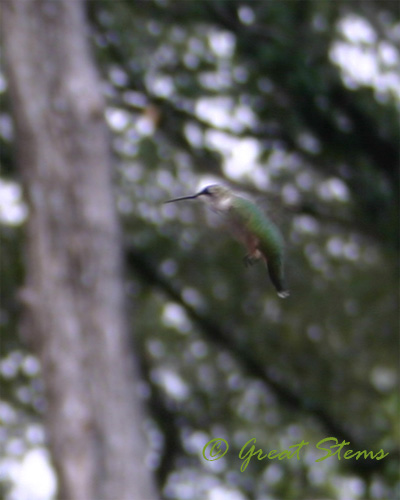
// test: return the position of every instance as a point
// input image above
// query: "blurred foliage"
(252, 93)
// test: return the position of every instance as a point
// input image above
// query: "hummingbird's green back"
(253, 221)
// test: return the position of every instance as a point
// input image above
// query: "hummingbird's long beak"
(183, 198)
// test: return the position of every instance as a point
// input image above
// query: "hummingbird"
(251, 227)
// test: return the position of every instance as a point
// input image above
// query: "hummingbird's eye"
(206, 191)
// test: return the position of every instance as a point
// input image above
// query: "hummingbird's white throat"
(221, 203)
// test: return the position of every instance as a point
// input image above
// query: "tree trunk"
(74, 291)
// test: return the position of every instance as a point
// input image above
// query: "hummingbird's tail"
(275, 270)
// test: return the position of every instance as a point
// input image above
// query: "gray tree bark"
(74, 293)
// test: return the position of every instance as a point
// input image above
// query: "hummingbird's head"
(214, 191)
(215, 194)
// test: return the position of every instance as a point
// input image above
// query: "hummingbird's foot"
(249, 260)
